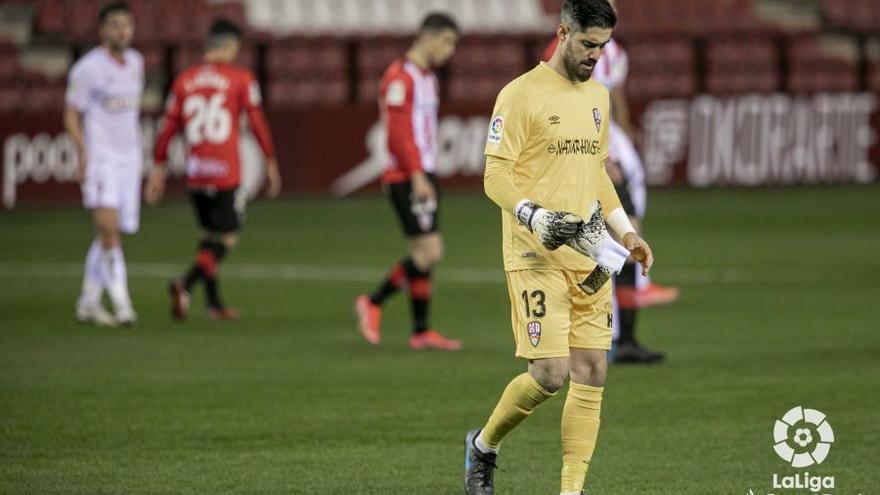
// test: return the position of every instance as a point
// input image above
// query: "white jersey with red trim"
(613, 66)
(107, 91)
(408, 100)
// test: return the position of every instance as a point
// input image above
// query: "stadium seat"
(482, 65)
(370, 17)
(738, 65)
(154, 57)
(186, 55)
(689, 17)
(81, 19)
(10, 98)
(145, 20)
(812, 69)
(42, 93)
(661, 68)
(50, 16)
(374, 56)
(304, 93)
(874, 77)
(232, 11)
(859, 15)
(9, 65)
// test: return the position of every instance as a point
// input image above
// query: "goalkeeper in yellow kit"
(545, 168)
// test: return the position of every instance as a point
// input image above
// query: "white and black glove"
(552, 228)
(593, 240)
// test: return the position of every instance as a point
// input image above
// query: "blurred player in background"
(205, 103)
(545, 168)
(632, 289)
(408, 102)
(102, 116)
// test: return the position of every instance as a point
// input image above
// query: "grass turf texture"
(779, 309)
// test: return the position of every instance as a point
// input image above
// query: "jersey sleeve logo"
(597, 118)
(395, 96)
(254, 93)
(496, 130)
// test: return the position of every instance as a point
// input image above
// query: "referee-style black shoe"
(631, 352)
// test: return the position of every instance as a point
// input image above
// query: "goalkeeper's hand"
(552, 228)
(593, 240)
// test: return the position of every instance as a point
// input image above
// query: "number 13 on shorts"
(550, 314)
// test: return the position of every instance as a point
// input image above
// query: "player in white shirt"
(102, 116)
(633, 290)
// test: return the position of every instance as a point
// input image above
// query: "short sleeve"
(509, 125)
(78, 87)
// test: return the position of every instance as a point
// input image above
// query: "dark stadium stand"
(737, 65)
(677, 48)
(855, 15)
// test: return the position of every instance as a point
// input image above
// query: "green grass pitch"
(780, 292)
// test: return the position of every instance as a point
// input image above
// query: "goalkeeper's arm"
(553, 228)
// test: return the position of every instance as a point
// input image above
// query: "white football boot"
(95, 315)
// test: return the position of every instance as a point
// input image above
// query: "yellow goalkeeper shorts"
(551, 314)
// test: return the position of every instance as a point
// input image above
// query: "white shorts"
(623, 152)
(114, 182)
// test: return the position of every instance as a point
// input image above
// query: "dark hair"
(589, 13)
(224, 27)
(438, 21)
(112, 8)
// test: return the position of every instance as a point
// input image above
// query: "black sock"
(395, 280)
(196, 272)
(627, 317)
(218, 250)
(419, 294)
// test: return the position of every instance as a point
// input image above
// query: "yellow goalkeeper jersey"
(552, 135)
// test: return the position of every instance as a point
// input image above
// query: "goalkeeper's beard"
(575, 70)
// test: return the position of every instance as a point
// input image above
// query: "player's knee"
(549, 373)
(550, 381)
(230, 241)
(434, 253)
(109, 237)
(427, 254)
(591, 372)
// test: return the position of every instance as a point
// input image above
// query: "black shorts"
(218, 211)
(415, 218)
(625, 199)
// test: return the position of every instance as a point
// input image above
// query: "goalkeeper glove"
(553, 228)
(592, 240)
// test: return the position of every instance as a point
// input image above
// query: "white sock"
(642, 281)
(482, 447)
(116, 278)
(93, 282)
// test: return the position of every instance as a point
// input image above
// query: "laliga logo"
(802, 437)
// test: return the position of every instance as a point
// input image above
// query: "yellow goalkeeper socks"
(522, 395)
(580, 428)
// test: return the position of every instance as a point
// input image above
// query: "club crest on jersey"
(597, 118)
(534, 329)
(395, 95)
(496, 128)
